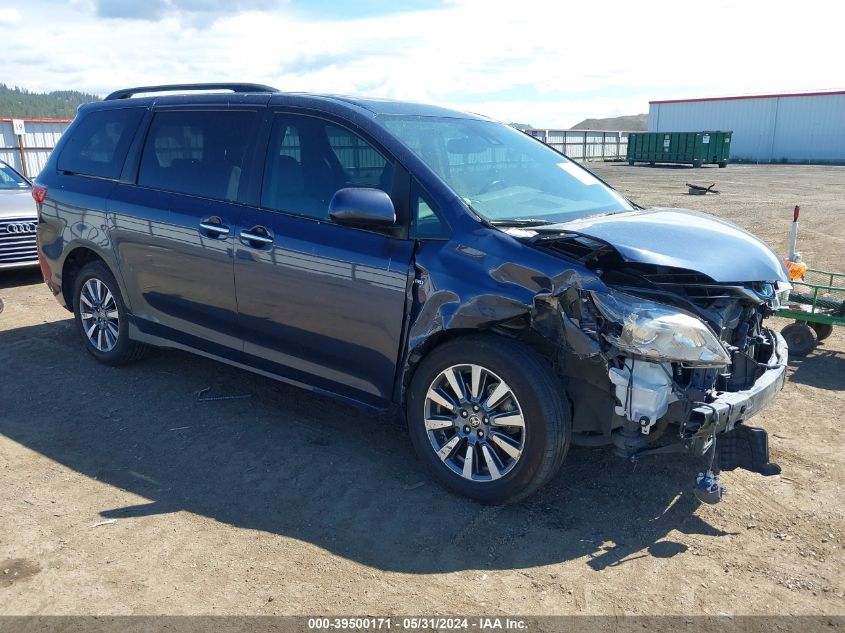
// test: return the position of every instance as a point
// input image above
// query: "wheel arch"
(74, 261)
(423, 349)
(416, 355)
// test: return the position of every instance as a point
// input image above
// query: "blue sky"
(546, 63)
(333, 9)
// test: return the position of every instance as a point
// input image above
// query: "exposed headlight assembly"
(659, 332)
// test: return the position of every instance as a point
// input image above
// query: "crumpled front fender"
(493, 281)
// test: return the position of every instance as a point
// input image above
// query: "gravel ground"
(120, 493)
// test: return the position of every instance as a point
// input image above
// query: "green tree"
(59, 104)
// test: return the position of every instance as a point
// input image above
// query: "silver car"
(18, 220)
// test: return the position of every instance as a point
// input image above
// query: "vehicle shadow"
(291, 463)
(822, 368)
(19, 277)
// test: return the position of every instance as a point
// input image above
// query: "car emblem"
(21, 227)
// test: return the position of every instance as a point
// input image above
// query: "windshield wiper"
(520, 222)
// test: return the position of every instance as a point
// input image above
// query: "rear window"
(199, 152)
(97, 146)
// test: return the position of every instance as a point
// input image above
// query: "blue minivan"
(498, 298)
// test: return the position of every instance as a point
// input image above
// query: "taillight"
(39, 192)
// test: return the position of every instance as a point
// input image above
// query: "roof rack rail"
(126, 93)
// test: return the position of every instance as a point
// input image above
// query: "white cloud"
(10, 16)
(545, 63)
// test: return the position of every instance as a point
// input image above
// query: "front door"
(320, 303)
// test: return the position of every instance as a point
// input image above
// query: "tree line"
(59, 104)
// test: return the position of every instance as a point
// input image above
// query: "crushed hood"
(682, 239)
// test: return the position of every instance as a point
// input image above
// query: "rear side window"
(202, 153)
(97, 146)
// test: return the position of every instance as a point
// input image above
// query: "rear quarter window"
(97, 146)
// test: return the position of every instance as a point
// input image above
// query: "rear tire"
(823, 330)
(513, 443)
(800, 338)
(101, 316)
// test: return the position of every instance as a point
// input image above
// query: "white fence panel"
(585, 145)
(29, 153)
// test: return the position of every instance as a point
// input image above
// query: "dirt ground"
(120, 493)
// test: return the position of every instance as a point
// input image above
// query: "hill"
(60, 104)
(632, 122)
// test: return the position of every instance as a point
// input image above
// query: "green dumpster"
(693, 148)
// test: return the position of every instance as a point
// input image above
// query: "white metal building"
(794, 127)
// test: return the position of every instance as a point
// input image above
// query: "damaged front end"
(656, 346)
(666, 359)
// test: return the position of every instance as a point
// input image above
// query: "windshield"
(503, 174)
(10, 179)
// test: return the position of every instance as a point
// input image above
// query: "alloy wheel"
(474, 422)
(99, 315)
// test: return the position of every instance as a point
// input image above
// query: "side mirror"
(364, 207)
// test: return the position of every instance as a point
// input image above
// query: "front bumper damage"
(637, 405)
(739, 445)
(719, 423)
(713, 429)
(644, 407)
(731, 408)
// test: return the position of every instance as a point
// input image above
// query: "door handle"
(257, 234)
(214, 227)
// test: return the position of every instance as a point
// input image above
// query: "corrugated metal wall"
(40, 137)
(767, 129)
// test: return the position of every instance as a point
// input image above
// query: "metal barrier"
(585, 145)
(26, 143)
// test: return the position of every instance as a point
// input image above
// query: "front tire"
(488, 418)
(101, 316)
